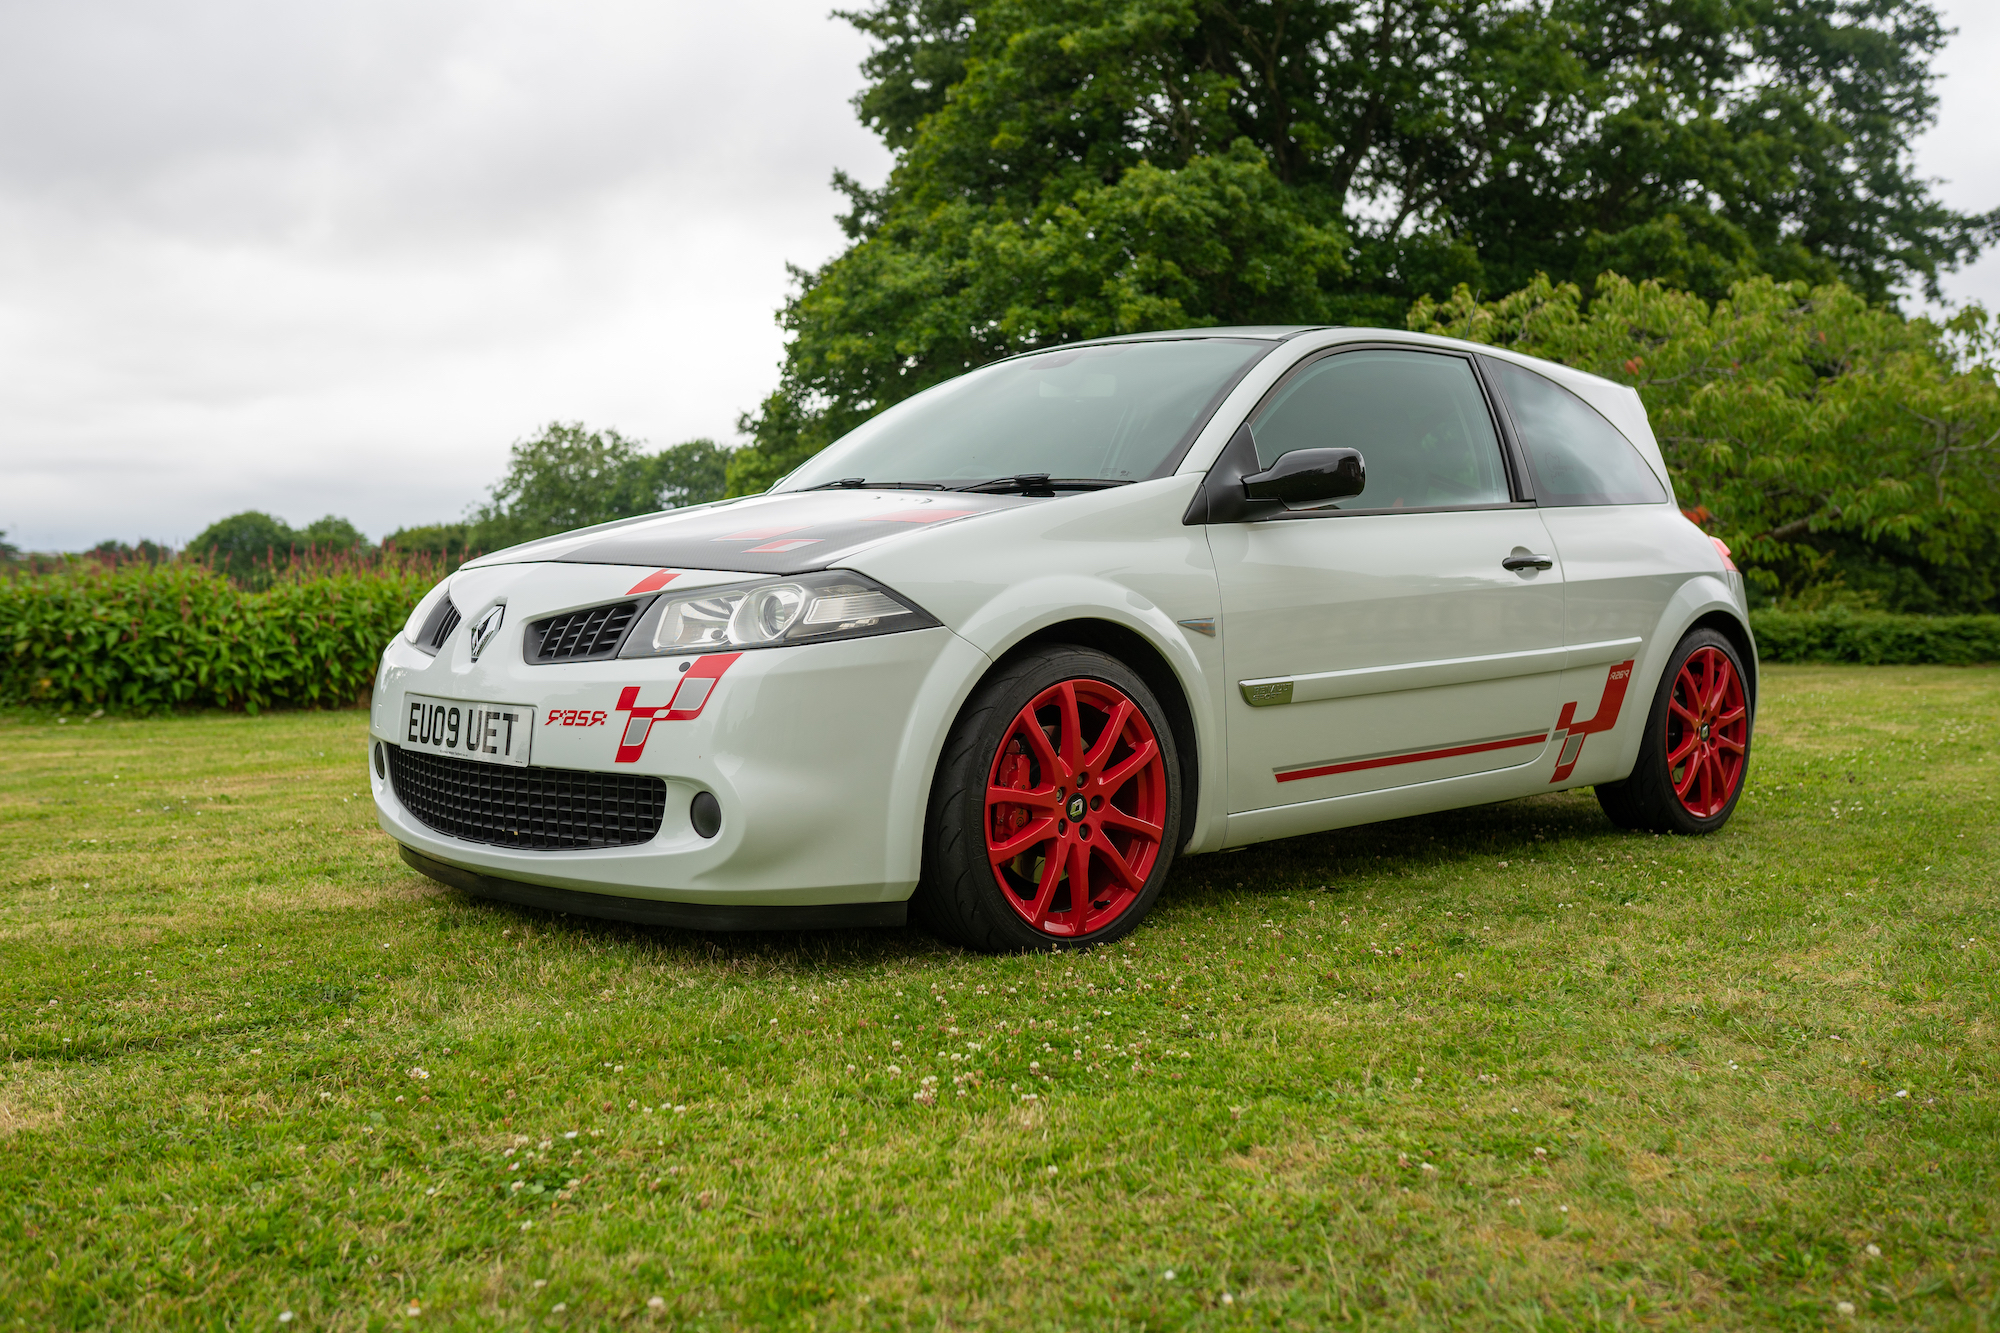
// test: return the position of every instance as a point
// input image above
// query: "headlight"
(814, 607)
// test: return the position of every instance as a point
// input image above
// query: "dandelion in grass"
(1874, 1251)
(284, 1316)
(1845, 1309)
(657, 1303)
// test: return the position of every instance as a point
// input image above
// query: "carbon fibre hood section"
(792, 533)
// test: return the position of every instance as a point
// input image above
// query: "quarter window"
(1578, 457)
(1418, 419)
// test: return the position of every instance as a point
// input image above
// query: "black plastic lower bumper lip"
(651, 912)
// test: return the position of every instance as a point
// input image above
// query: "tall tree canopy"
(571, 477)
(1074, 168)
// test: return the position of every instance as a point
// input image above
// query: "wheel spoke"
(1108, 740)
(1112, 816)
(1079, 883)
(1040, 831)
(1674, 705)
(1038, 798)
(1119, 864)
(1072, 731)
(1142, 755)
(1045, 892)
(1052, 765)
(1680, 753)
(1688, 779)
(1725, 742)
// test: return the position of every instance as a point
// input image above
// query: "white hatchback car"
(1007, 649)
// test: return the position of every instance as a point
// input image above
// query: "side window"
(1418, 419)
(1578, 457)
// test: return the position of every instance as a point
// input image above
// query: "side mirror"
(1309, 476)
(1237, 491)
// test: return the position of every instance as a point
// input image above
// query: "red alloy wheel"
(1075, 804)
(1708, 733)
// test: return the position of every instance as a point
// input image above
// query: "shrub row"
(1875, 638)
(147, 637)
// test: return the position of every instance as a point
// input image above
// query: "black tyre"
(1056, 808)
(1696, 752)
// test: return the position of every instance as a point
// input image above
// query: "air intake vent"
(539, 809)
(580, 636)
(437, 628)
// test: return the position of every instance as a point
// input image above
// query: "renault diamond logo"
(483, 632)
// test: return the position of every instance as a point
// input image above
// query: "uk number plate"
(493, 733)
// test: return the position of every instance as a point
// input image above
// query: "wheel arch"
(1150, 665)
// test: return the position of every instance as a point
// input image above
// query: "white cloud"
(336, 260)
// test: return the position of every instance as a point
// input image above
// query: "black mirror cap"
(1309, 476)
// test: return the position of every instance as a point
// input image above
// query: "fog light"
(705, 812)
(381, 762)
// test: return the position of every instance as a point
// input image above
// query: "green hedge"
(1875, 638)
(141, 637)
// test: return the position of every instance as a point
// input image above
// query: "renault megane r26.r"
(1002, 653)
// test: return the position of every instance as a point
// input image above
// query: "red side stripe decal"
(653, 582)
(1604, 719)
(1414, 757)
(1572, 732)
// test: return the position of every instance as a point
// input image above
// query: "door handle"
(1527, 562)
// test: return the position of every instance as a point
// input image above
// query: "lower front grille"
(536, 808)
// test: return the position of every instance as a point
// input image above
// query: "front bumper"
(820, 757)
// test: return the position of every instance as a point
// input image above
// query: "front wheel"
(1697, 745)
(1056, 807)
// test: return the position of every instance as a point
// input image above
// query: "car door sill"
(1273, 690)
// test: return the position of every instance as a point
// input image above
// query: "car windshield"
(1112, 413)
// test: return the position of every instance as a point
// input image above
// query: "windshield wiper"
(1041, 483)
(863, 484)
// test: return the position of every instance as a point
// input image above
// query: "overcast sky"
(331, 258)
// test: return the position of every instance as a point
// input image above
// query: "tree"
(572, 477)
(245, 546)
(1828, 441)
(112, 552)
(330, 535)
(1067, 168)
(451, 543)
(690, 474)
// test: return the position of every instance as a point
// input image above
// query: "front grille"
(581, 636)
(437, 628)
(536, 808)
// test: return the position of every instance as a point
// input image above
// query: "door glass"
(1578, 457)
(1418, 419)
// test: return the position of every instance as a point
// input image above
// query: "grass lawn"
(1503, 1067)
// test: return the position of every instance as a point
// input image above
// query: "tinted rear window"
(1577, 456)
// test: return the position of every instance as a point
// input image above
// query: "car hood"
(787, 533)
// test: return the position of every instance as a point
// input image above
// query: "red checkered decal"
(690, 696)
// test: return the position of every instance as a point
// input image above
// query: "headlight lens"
(815, 607)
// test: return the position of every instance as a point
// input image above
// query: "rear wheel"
(1697, 745)
(1056, 807)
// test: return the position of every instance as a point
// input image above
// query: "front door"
(1408, 634)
